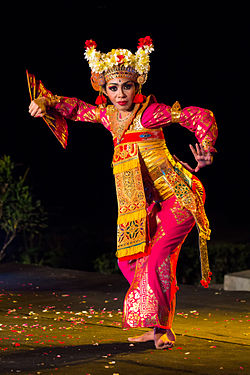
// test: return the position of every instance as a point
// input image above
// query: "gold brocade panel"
(130, 191)
(132, 214)
(140, 305)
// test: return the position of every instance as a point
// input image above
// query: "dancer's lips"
(122, 103)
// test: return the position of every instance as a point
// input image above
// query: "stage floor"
(56, 321)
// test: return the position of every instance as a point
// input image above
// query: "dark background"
(200, 58)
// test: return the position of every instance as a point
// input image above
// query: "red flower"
(147, 41)
(90, 43)
(120, 59)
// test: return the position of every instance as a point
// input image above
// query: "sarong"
(150, 300)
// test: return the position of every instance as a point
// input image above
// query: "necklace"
(120, 119)
(118, 125)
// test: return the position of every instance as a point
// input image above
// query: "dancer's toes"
(164, 340)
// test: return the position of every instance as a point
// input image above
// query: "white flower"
(101, 62)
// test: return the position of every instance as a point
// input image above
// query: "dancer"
(159, 198)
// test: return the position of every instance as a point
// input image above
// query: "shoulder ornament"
(175, 112)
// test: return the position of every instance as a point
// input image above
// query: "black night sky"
(201, 58)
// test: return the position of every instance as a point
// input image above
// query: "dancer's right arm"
(70, 108)
(38, 107)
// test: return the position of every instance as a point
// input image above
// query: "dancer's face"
(121, 92)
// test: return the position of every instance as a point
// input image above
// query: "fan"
(53, 119)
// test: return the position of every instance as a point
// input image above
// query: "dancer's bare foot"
(164, 340)
(147, 336)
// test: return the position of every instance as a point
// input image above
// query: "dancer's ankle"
(159, 330)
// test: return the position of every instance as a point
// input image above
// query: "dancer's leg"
(176, 223)
(128, 269)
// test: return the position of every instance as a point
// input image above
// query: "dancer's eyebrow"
(117, 84)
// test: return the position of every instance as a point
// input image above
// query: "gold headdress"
(118, 63)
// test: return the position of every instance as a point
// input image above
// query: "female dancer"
(159, 198)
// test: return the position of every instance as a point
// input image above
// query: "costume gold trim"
(120, 71)
(176, 112)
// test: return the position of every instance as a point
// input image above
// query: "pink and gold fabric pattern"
(142, 145)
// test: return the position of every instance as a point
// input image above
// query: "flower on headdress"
(120, 59)
(142, 61)
(102, 62)
(90, 43)
(146, 44)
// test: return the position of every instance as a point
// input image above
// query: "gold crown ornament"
(118, 63)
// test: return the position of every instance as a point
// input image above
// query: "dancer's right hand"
(38, 106)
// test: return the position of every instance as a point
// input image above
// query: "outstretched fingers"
(194, 152)
(199, 149)
(201, 156)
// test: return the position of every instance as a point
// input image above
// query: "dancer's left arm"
(198, 120)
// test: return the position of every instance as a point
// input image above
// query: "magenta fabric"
(150, 300)
(198, 120)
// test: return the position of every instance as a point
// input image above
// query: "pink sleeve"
(77, 110)
(202, 122)
(156, 115)
(198, 120)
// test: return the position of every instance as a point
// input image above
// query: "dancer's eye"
(127, 86)
(112, 88)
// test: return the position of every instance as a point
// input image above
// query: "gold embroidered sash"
(132, 214)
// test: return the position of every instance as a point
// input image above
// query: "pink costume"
(149, 244)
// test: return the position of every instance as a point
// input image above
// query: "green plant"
(106, 263)
(19, 213)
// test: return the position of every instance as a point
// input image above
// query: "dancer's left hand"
(202, 157)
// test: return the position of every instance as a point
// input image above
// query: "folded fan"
(53, 119)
